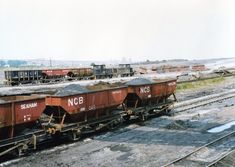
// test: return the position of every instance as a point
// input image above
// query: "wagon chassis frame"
(24, 142)
(30, 141)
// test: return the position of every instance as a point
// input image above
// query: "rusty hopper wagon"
(139, 98)
(147, 97)
(84, 106)
(19, 113)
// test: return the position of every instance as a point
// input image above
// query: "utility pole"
(50, 62)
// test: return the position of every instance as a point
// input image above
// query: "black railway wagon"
(14, 77)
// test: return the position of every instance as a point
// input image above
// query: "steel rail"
(220, 158)
(198, 102)
(198, 149)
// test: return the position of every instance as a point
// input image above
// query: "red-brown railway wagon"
(199, 67)
(142, 92)
(80, 72)
(85, 106)
(55, 72)
(73, 72)
(19, 113)
(163, 88)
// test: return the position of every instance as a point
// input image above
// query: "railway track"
(185, 159)
(201, 101)
(219, 161)
(198, 102)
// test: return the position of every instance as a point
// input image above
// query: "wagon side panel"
(171, 87)
(117, 96)
(6, 116)
(28, 111)
(97, 100)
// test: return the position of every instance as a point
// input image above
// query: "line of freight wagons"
(79, 110)
(16, 77)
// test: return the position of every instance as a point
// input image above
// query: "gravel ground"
(228, 161)
(154, 143)
(228, 83)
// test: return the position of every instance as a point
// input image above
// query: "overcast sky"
(112, 29)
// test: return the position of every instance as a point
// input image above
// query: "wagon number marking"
(27, 118)
(75, 101)
(92, 107)
(172, 84)
(145, 89)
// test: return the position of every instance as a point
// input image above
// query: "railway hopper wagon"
(86, 107)
(19, 113)
(146, 98)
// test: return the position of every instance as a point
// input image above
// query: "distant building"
(199, 67)
(170, 68)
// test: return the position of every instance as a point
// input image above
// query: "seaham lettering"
(30, 105)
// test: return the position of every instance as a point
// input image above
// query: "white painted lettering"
(29, 105)
(70, 102)
(80, 100)
(145, 89)
(92, 107)
(75, 101)
(116, 92)
(27, 118)
(172, 84)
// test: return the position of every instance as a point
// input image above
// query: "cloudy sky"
(113, 29)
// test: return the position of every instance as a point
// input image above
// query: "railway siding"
(192, 156)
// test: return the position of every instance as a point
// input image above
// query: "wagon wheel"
(167, 112)
(20, 151)
(127, 117)
(17, 152)
(74, 135)
(111, 126)
(143, 117)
